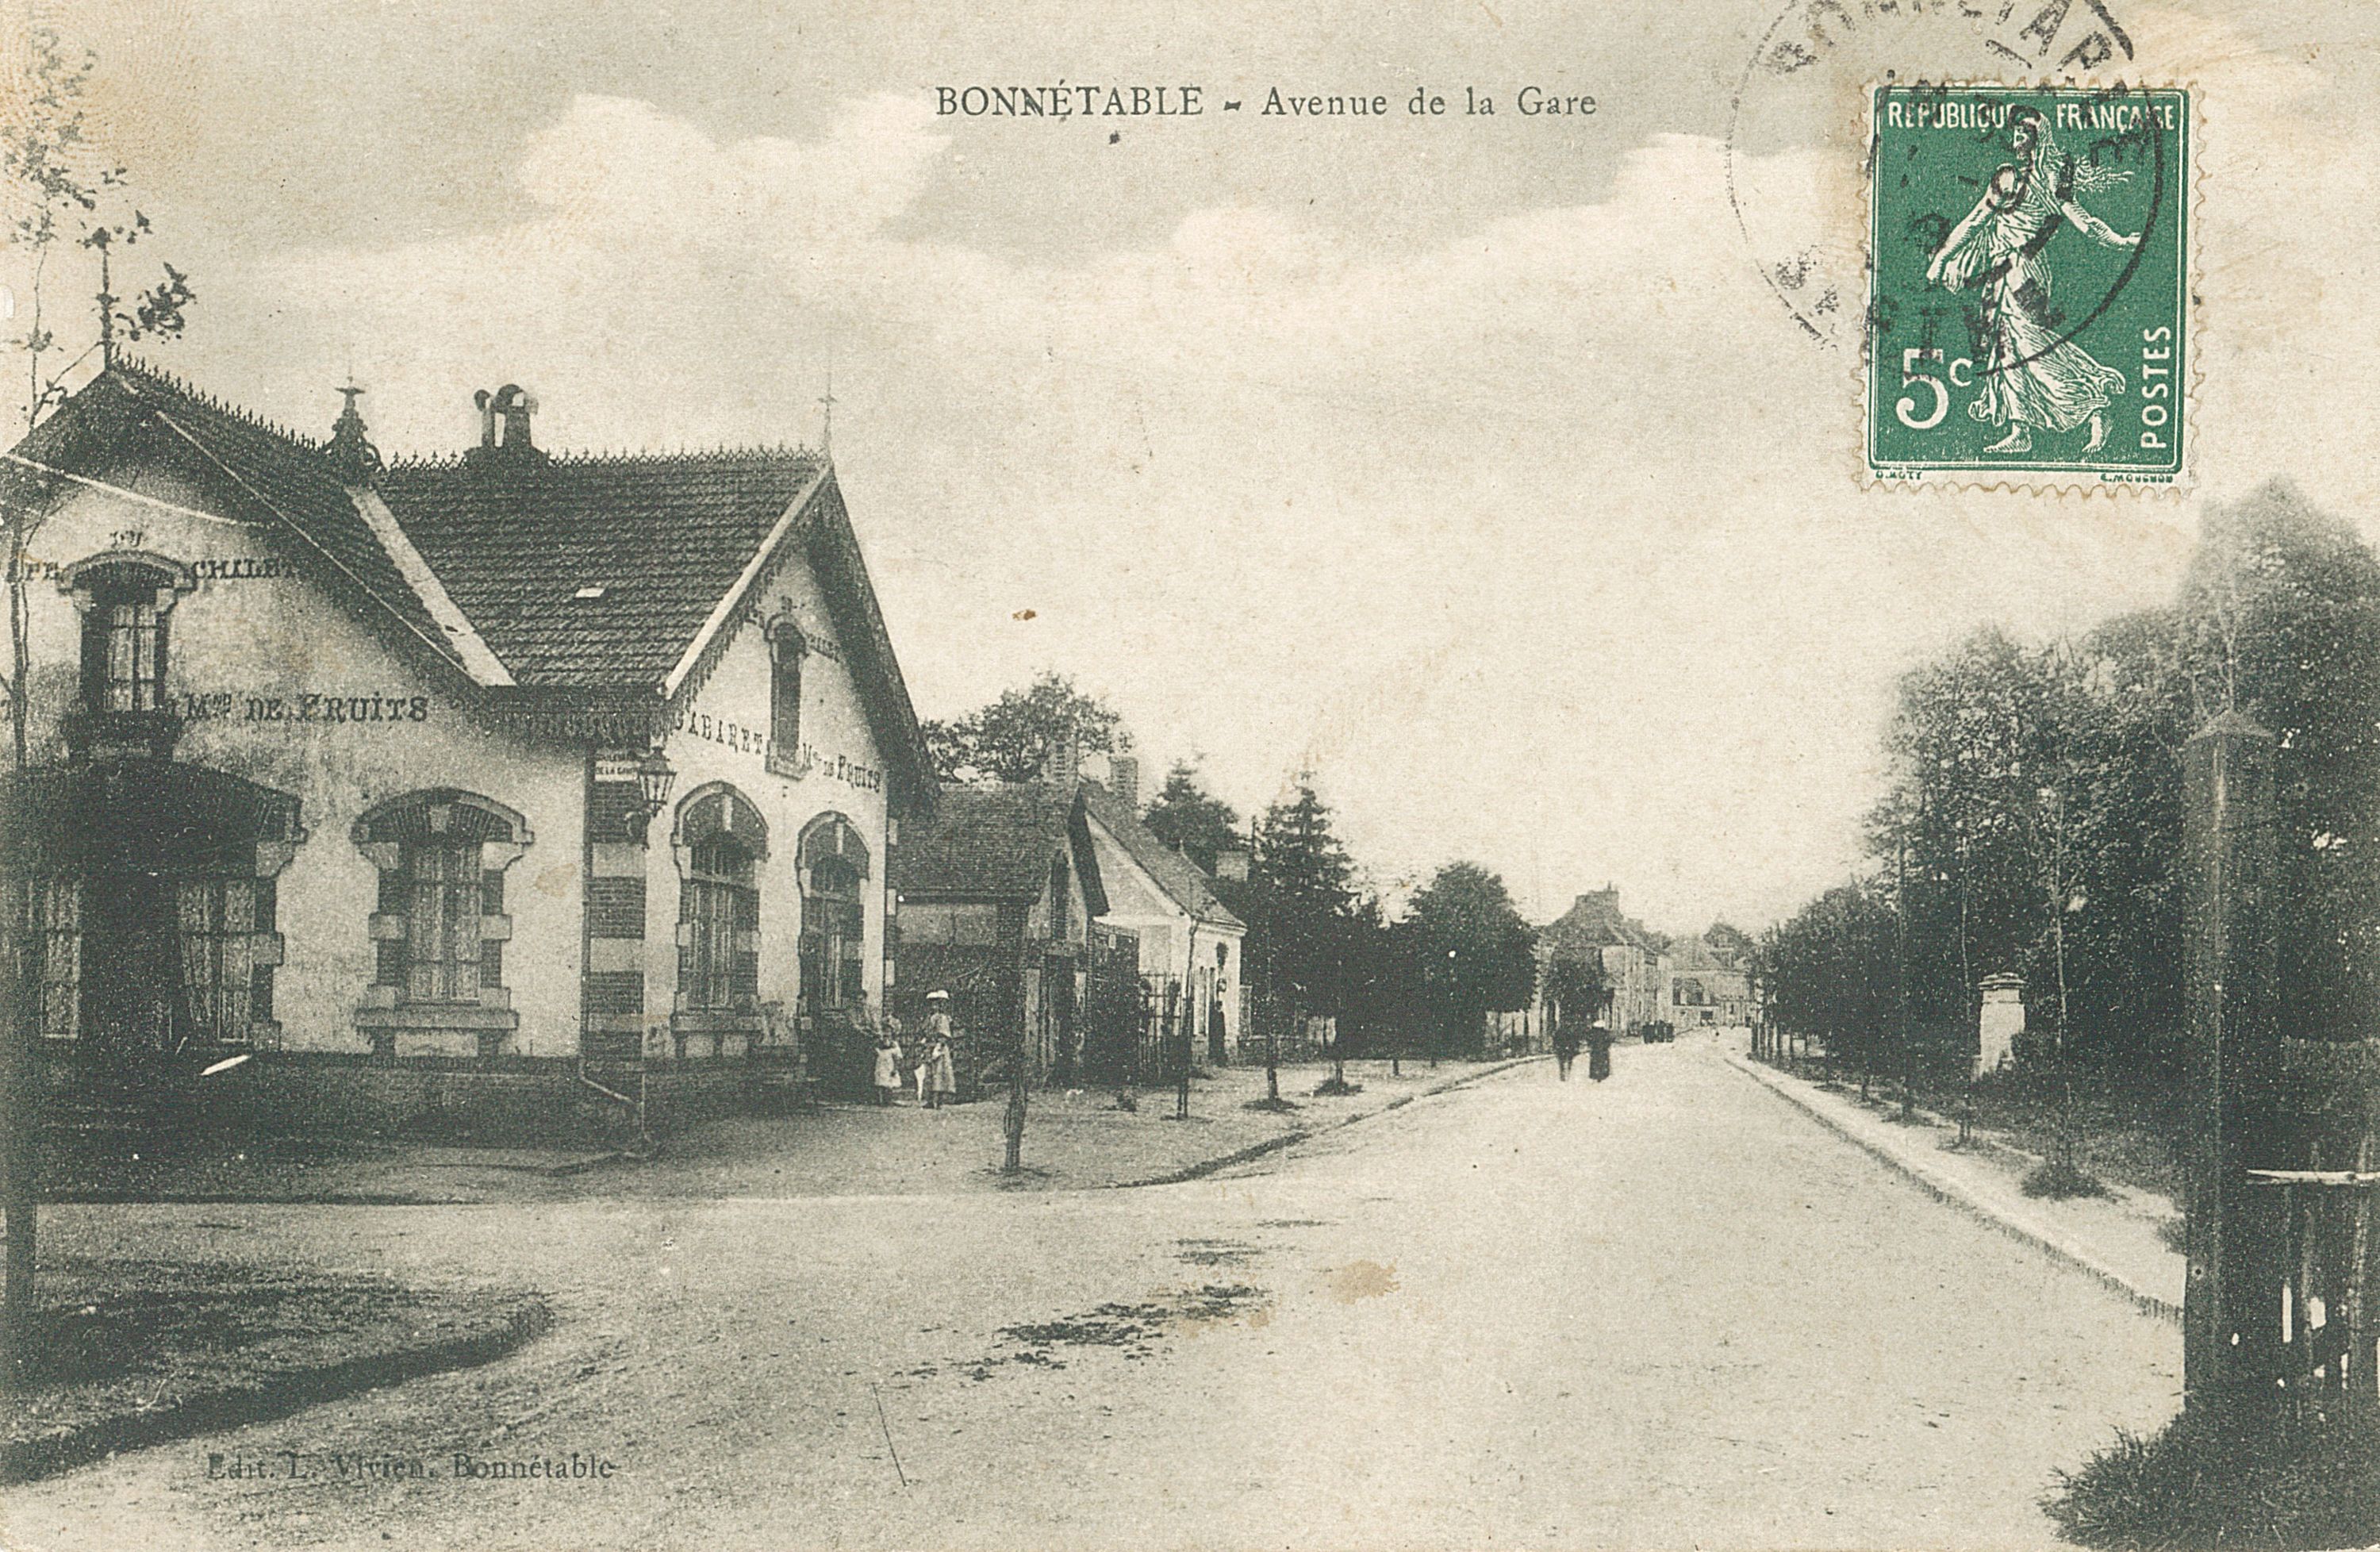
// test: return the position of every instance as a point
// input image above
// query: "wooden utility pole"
(1018, 1062)
(1182, 1052)
(2232, 1307)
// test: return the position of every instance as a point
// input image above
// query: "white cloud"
(1544, 544)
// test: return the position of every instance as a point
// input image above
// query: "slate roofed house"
(509, 766)
(999, 890)
(1186, 935)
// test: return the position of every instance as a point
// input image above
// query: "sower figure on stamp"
(2030, 375)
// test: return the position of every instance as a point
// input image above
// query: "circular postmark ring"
(2034, 245)
(1805, 86)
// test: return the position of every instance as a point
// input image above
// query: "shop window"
(441, 926)
(719, 958)
(720, 841)
(835, 863)
(48, 914)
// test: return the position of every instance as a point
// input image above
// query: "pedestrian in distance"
(1598, 1050)
(1565, 1046)
(888, 1066)
(936, 1075)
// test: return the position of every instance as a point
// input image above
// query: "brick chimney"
(1062, 766)
(513, 403)
(1124, 780)
(1232, 864)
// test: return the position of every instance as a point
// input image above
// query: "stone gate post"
(2232, 1302)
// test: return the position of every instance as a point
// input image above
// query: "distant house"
(1709, 983)
(999, 889)
(433, 786)
(1633, 957)
(1187, 936)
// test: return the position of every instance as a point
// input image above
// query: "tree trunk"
(1014, 1124)
(19, 1114)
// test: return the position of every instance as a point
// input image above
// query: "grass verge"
(133, 1353)
(2061, 1182)
(2291, 1488)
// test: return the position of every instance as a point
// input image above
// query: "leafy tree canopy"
(1184, 814)
(1011, 739)
(1476, 954)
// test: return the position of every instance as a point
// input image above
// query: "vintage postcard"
(1489, 775)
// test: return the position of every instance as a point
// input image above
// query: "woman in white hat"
(936, 1073)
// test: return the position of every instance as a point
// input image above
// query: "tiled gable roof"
(995, 842)
(573, 576)
(267, 473)
(1182, 880)
(517, 538)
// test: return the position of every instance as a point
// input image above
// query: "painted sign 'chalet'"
(370, 771)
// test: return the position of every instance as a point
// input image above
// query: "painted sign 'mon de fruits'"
(2028, 281)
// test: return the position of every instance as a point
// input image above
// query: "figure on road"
(937, 1077)
(888, 1066)
(1598, 1050)
(1565, 1046)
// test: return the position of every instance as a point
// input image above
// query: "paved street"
(1665, 1311)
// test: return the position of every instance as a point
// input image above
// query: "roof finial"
(350, 450)
(826, 403)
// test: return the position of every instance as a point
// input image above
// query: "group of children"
(937, 1077)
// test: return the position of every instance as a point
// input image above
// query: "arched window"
(720, 840)
(440, 927)
(787, 648)
(834, 863)
(124, 598)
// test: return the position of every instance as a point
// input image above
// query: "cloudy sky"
(1471, 464)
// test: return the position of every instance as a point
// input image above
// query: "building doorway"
(144, 894)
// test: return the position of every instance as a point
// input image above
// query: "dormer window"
(124, 644)
(125, 600)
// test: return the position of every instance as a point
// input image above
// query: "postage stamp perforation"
(2073, 476)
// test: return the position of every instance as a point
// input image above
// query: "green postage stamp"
(2028, 310)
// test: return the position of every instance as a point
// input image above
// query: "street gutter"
(1290, 1139)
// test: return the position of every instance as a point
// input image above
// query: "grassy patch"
(2061, 1182)
(2300, 1486)
(131, 1353)
(2129, 1130)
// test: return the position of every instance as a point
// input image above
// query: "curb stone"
(213, 1411)
(1948, 1188)
(1206, 1166)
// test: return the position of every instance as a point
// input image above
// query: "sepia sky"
(1472, 464)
